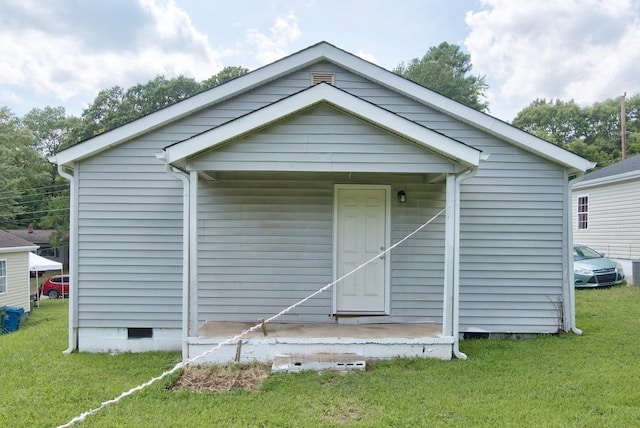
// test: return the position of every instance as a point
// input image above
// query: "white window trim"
(585, 213)
(5, 276)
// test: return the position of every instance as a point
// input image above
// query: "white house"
(215, 213)
(606, 204)
(14, 271)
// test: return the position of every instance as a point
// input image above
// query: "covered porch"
(261, 195)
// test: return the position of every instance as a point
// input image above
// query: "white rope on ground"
(181, 364)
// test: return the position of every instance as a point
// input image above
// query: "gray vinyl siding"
(322, 139)
(295, 82)
(512, 238)
(417, 275)
(614, 223)
(265, 242)
(129, 240)
(253, 230)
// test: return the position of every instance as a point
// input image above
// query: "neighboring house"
(41, 237)
(14, 271)
(230, 206)
(606, 204)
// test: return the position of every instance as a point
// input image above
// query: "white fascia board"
(18, 249)
(190, 105)
(319, 52)
(344, 101)
(459, 111)
(611, 179)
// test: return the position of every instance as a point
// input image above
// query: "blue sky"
(62, 52)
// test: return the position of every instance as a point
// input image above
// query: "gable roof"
(626, 169)
(324, 93)
(36, 236)
(324, 51)
(12, 243)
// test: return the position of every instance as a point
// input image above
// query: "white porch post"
(449, 256)
(193, 254)
(465, 175)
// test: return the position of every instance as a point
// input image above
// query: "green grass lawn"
(557, 381)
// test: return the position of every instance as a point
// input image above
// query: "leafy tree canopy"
(116, 106)
(50, 128)
(592, 132)
(227, 73)
(447, 70)
(24, 173)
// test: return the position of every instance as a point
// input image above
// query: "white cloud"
(275, 45)
(367, 56)
(585, 50)
(61, 49)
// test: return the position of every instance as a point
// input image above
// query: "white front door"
(362, 232)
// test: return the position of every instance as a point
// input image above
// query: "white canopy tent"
(39, 264)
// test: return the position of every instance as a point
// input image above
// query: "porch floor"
(361, 341)
(216, 329)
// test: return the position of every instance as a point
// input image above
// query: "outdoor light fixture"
(402, 197)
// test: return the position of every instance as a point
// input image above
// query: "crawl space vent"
(318, 362)
(139, 333)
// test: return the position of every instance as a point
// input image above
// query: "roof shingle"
(627, 165)
(7, 240)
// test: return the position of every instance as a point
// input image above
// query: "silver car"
(592, 269)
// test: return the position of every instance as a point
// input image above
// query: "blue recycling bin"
(12, 318)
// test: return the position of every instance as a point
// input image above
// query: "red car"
(55, 286)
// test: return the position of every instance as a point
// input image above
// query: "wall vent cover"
(322, 77)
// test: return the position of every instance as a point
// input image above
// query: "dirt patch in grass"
(342, 413)
(222, 378)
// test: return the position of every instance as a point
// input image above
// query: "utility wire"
(31, 212)
(32, 201)
(56, 187)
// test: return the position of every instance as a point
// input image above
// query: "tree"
(633, 124)
(50, 128)
(156, 94)
(24, 174)
(592, 132)
(57, 218)
(446, 69)
(227, 73)
(559, 122)
(590, 152)
(115, 107)
(103, 114)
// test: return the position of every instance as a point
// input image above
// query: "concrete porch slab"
(216, 329)
(370, 341)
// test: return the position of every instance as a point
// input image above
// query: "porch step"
(318, 362)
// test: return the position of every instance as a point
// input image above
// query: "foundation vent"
(139, 333)
(318, 362)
